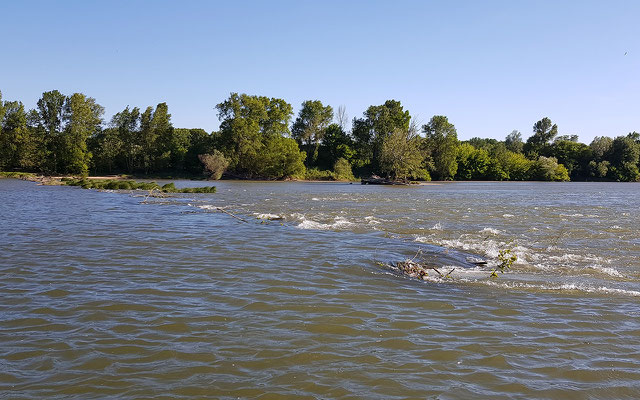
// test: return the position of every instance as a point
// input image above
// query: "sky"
(490, 66)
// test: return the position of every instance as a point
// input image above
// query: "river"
(111, 295)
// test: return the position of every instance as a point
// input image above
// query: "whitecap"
(268, 216)
(491, 230)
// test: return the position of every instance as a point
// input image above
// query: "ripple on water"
(138, 302)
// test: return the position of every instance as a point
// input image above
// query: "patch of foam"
(371, 220)
(268, 216)
(562, 287)
(508, 215)
(491, 230)
(339, 222)
(605, 270)
(437, 227)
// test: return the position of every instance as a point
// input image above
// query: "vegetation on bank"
(259, 139)
(116, 184)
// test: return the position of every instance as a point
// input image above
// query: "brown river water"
(104, 295)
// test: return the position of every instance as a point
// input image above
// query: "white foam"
(606, 270)
(491, 230)
(437, 227)
(508, 215)
(268, 216)
(561, 287)
(339, 222)
(371, 220)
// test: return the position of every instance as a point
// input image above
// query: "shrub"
(214, 164)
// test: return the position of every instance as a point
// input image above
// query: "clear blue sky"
(490, 66)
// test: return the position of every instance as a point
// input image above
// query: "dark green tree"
(625, 155)
(127, 123)
(252, 128)
(441, 146)
(543, 132)
(83, 118)
(50, 111)
(378, 122)
(400, 155)
(514, 142)
(310, 126)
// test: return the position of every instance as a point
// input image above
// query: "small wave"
(572, 215)
(437, 227)
(606, 270)
(207, 207)
(371, 220)
(339, 222)
(562, 287)
(315, 199)
(508, 215)
(491, 230)
(268, 216)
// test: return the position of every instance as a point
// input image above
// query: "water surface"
(105, 295)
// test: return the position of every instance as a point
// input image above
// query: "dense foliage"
(258, 138)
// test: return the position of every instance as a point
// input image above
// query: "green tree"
(338, 144)
(400, 155)
(127, 123)
(214, 164)
(282, 158)
(516, 166)
(342, 170)
(377, 123)
(105, 147)
(83, 119)
(18, 144)
(548, 169)
(50, 112)
(441, 145)
(309, 128)
(574, 156)
(200, 142)
(514, 142)
(625, 154)
(251, 130)
(473, 163)
(543, 132)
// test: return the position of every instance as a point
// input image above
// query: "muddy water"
(104, 297)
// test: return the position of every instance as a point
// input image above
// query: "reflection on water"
(101, 296)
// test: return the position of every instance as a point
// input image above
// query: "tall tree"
(378, 123)
(441, 145)
(625, 155)
(83, 119)
(160, 141)
(543, 132)
(18, 146)
(51, 109)
(309, 128)
(251, 129)
(127, 122)
(400, 155)
(514, 141)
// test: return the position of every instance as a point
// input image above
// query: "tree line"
(259, 138)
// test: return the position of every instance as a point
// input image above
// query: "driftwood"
(414, 269)
(376, 180)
